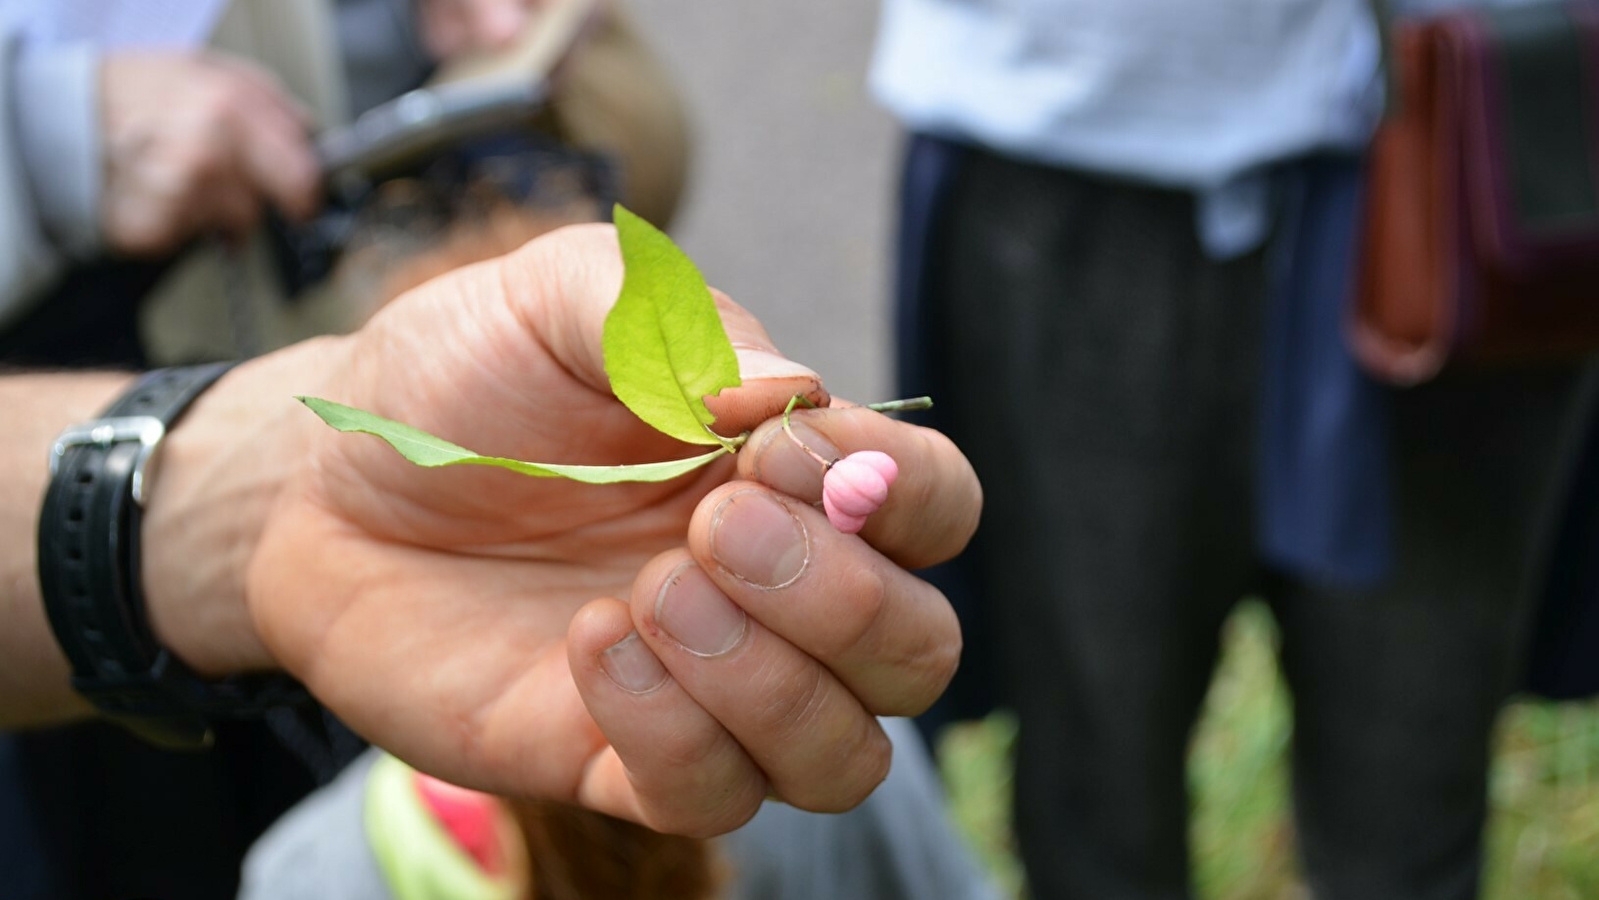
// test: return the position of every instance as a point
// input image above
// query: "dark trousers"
(1102, 373)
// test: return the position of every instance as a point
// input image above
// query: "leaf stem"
(886, 406)
(801, 398)
(730, 444)
(909, 403)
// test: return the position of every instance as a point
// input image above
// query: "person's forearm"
(209, 490)
(34, 686)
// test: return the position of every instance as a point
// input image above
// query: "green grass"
(975, 760)
(1543, 840)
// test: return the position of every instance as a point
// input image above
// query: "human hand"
(516, 635)
(197, 142)
(452, 27)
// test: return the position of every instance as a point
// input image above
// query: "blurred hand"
(197, 142)
(667, 653)
(452, 27)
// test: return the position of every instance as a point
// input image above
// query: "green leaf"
(665, 347)
(424, 449)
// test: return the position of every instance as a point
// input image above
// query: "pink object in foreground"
(855, 486)
(469, 817)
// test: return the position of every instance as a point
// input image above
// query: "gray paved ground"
(789, 207)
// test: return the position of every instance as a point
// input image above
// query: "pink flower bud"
(855, 486)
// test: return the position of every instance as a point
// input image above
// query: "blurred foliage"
(1544, 790)
(975, 760)
(1243, 841)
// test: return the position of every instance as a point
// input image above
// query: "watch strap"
(89, 565)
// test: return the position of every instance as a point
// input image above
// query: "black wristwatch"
(89, 574)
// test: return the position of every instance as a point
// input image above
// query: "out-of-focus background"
(789, 202)
(1544, 789)
(789, 210)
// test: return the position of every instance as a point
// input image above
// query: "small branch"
(910, 403)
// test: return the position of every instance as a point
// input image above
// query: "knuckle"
(925, 669)
(712, 814)
(686, 750)
(793, 704)
(857, 628)
(863, 764)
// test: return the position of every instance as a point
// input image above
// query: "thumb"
(770, 379)
(565, 283)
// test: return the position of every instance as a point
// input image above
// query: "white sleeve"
(50, 173)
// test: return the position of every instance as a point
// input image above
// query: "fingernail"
(781, 463)
(758, 540)
(754, 363)
(632, 665)
(693, 611)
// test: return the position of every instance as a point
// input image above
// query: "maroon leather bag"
(1481, 240)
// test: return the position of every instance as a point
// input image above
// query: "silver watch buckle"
(147, 430)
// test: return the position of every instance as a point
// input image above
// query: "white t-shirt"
(1188, 93)
(109, 24)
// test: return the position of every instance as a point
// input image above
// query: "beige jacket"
(610, 95)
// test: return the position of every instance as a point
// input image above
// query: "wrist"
(210, 494)
(34, 682)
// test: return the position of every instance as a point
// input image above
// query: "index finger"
(272, 145)
(577, 297)
(276, 158)
(932, 508)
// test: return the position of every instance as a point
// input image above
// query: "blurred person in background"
(134, 131)
(1114, 216)
(128, 138)
(146, 141)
